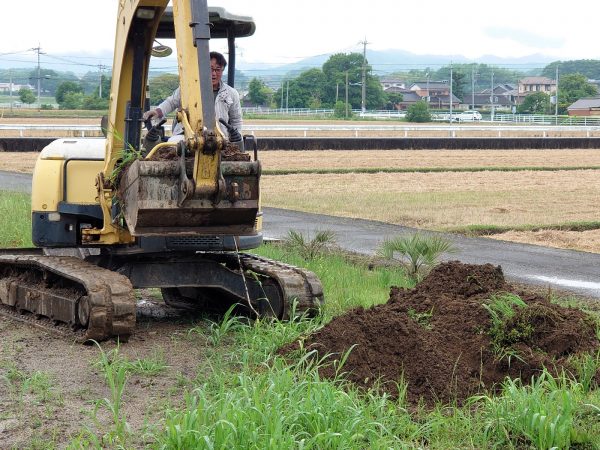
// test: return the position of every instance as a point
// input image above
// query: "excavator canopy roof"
(223, 24)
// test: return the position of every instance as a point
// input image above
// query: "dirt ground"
(436, 337)
(77, 383)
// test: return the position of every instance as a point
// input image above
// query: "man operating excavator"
(227, 104)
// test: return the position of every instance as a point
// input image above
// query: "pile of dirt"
(230, 152)
(437, 337)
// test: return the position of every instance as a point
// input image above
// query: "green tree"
(94, 102)
(306, 88)
(588, 67)
(26, 95)
(536, 103)
(419, 112)
(571, 88)
(339, 110)
(162, 86)
(65, 88)
(72, 100)
(393, 98)
(458, 83)
(259, 93)
(335, 70)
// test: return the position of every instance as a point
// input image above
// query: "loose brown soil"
(436, 337)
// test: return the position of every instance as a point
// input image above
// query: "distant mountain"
(389, 61)
(382, 61)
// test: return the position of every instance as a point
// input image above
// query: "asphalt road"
(568, 270)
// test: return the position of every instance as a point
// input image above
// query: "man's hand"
(152, 114)
(234, 134)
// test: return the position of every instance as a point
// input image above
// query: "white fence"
(355, 129)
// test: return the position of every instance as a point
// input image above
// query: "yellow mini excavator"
(116, 214)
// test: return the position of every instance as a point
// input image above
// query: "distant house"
(388, 83)
(528, 85)
(408, 97)
(5, 88)
(589, 106)
(431, 88)
(439, 95)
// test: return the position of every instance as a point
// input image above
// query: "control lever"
(154, 135)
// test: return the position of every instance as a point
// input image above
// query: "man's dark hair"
(220, 59)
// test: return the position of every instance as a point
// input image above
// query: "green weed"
(309, 249)
(539, 415)
(418, 253)
(115, 371)
(503, 332)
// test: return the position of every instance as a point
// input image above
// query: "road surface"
(567, 270)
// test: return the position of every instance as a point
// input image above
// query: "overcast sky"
(291, 30)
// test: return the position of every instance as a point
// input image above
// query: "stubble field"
(546, 197)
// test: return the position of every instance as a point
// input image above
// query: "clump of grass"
(283, 406)
(539, 415)
(503, 331)
(115, 371)
(586, 367)
(308, 248)
(423, 318)
(417, 253)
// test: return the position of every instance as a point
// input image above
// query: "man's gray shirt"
(227, 107)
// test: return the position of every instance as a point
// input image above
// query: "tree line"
(336, 85)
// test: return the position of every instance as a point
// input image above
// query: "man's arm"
(235, 111)
(171, 103)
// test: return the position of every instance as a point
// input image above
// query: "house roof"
(397, 90)
(392, 80)
(410, 96)
(432, 85)
(536, 80)
(586, 103)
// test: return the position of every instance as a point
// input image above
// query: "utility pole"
(287, 96)
(10, 89)
(473, 87)
(38, 49)
(364, 76)
(101, 67)
(451, 93)
(556, 99)
(282, 95)
(492, 98)
(346, 94)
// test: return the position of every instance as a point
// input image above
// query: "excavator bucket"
(158, 198)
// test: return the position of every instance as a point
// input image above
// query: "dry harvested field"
(442, 200)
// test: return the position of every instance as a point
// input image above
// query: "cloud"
(525, 38)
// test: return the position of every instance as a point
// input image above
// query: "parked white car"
(468, 116)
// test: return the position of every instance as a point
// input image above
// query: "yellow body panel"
(80, 185)
(46, 187)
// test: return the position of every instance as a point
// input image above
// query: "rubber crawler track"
(110, 295)
(298, 285)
